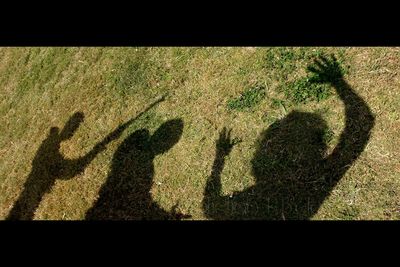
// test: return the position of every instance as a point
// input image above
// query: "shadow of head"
(163, 139)
(290, 146)
(166, 136)
(70, 127)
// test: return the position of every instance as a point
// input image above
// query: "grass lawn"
(241, 133)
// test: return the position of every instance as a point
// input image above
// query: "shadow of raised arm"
(359, 118)
(212, 191)
(80, 164)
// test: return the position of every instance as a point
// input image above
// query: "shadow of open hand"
(326, 70)
(224, 143)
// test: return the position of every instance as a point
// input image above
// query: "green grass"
(208, 89)
(304, 90)
(248, 99)
(285, 63)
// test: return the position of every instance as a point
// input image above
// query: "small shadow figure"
(49, 165)
(126, 194)
(292, 171)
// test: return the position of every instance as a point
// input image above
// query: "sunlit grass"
(42, 87)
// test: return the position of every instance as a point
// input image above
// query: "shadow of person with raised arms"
(293, 175)
(126, 193)
(49, 164)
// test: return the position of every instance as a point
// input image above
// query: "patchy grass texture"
(243, 89)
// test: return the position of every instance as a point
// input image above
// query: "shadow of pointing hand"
(326, 70)
(118, 131)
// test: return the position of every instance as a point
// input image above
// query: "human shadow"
(293, 175)
(49, 164)
(126, 193)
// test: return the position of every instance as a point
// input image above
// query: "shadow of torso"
(47, 166)
(290, 171)
(126, 194)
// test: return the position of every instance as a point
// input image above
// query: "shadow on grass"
(49, 164)
(126, 193)
(293, 176)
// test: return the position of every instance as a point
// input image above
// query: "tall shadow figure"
(292, 171)
(126, 193)
(49, 165)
